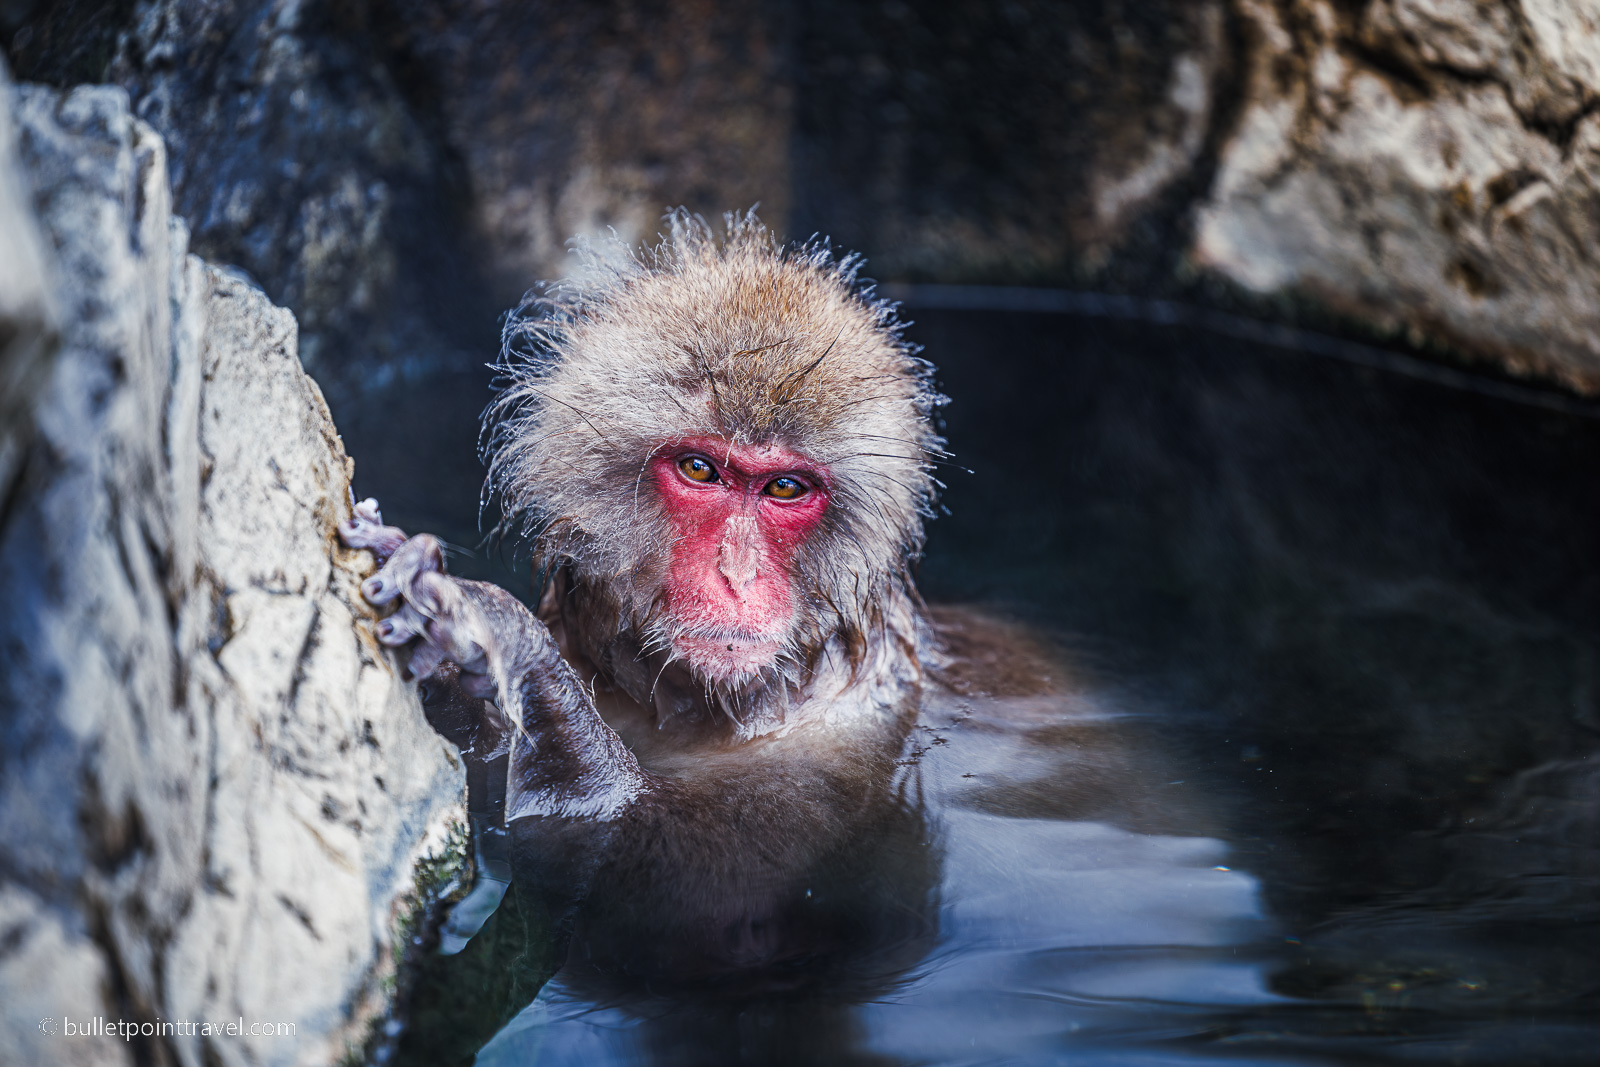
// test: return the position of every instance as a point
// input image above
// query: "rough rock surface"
(399, 172)
(1431, 164)
(214, 784)
(28, 309)
(296, 158)
(1427, 166)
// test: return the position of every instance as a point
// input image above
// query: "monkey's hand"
(565, 760)
(440, 613)
(412, 571)
(365, 529)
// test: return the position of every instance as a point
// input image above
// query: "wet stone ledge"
(215, 785)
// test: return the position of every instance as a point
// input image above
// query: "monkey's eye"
(785, 488)
(697, 470)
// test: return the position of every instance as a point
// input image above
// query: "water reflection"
(950, 921)
(1333, 629)
(1064, 937)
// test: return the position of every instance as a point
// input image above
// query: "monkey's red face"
(740, 512)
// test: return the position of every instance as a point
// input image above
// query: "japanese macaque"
(721, 452)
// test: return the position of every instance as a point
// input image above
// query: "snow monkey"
(721, 451)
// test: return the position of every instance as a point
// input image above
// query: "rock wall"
(1431, 165)
(400, 171)
(214, 784)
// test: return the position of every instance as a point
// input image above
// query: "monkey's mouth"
(727, 656)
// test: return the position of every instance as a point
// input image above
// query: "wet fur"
(733, 336)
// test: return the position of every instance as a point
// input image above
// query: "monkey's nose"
(739, 556)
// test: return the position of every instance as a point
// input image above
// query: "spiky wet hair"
(733, 336)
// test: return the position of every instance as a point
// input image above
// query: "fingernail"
(385, 629)
(372, 587)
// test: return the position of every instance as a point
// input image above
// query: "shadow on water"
(1324, 788)
(1365, 607)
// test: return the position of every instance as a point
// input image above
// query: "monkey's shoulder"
(979, 653)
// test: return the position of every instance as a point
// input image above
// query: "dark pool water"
(1322, 786)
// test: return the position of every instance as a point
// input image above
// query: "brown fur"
(731, 336)
(691, 854)
(986, 655)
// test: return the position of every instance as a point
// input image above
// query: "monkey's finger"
(433, 594)
(425, 659)
(454, 622)
(419, 555)
(365, 529)
(455, 638)
(400, 627)
(383, 541)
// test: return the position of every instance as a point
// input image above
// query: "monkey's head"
(727, 446)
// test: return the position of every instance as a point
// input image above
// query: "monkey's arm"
(565, 760)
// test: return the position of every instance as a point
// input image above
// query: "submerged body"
(1080, 899)
(771, 901)
(714, 729)
(722, 452)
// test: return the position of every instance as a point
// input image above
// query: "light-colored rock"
(1433, 165)
(214, 784)
(1430, 168)
(27, 303)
